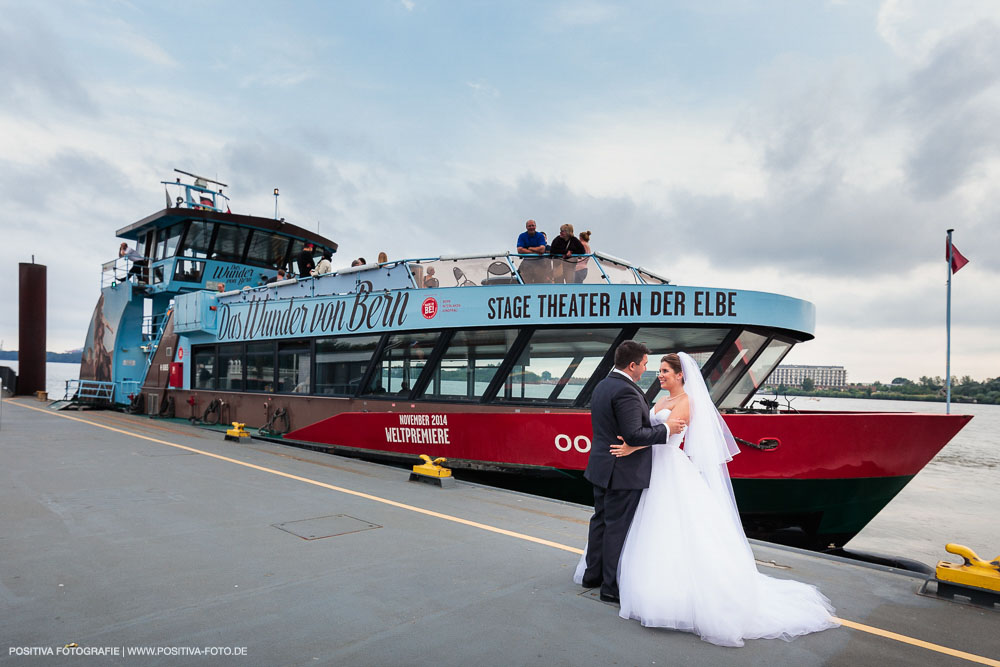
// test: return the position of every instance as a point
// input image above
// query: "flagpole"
(947, 380)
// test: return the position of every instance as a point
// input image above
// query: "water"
(951, 500)
(56, 374)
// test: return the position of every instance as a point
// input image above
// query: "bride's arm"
(623, 448)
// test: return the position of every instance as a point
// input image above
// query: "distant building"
(824, 377)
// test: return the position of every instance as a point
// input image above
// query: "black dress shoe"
(607, 597)
(592, 583)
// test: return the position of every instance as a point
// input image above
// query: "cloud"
(584, 13)
(36, 72)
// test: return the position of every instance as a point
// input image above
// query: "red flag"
(958, 260)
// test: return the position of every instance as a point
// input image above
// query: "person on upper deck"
(325, 265)
(139, 261)
(429, 279)
(533, 242)
(582, 266)
(563, 246)
(306, 260)
(281, 276)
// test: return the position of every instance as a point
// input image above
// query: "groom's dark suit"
(617, 407)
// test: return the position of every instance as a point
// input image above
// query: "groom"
(618, 407)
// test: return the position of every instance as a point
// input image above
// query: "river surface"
(953, 499)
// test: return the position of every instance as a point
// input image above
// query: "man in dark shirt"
(306, 260)
(532, 242)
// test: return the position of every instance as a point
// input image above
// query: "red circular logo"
(180, 353)
(429, 307)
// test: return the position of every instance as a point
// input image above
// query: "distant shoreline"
(876, 396)
(72, 357)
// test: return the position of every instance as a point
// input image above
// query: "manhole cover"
(325, 526)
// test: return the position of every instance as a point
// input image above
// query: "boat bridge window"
(198, 240)
(556, 364)
(230, 243)
(341, 363)
(403, 358)
(189, 270)
(757, 374)
(469, 364)
(267, 250)
(294, 362)
(167, 240)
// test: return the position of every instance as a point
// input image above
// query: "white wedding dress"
(687, 565)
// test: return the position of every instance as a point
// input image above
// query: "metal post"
(947, 381)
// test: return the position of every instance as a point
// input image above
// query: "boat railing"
(122, 269)
(487, 269)
(100, 392)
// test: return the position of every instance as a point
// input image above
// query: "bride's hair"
(674, 362)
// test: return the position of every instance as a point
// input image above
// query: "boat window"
(463, 272)
(267, 250)
(588, 273)
(260, 366)
(650, 279)
(294, 359)
(157, 274)
(231, 367)
(342, 362)
(699, 343)
(204, 367)
(230, 243)
(556, 364)
(469, 363)
(167, 239)
(198, 240)
(755, 377)
(733, 363)
(534, 269)
(293, 256)
(403, 359)
(188, 270)
(618, 273)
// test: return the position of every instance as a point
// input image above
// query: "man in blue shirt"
(532, 242)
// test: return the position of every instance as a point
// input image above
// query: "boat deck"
(121, 531)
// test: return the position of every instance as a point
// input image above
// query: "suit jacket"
(618, 407)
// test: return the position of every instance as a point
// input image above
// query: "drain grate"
(325, 526)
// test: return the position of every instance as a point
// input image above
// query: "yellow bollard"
(974, 571)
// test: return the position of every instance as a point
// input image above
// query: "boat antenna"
(210, 180)
(276, 203)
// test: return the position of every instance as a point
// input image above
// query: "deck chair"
(499, 273)
(460, 278)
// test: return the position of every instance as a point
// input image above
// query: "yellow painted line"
(971, 657)
(359, 494)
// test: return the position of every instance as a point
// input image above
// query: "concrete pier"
(127, 532)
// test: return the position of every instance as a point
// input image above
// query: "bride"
(686, 563)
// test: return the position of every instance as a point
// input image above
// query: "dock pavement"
(131, 541)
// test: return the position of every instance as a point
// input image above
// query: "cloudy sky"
(815, 149)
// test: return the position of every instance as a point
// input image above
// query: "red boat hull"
(828, 476)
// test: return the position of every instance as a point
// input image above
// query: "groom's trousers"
(613, 512)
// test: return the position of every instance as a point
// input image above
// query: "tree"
(808, 384)
(901, 381)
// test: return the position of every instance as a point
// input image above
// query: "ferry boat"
(483, 359)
